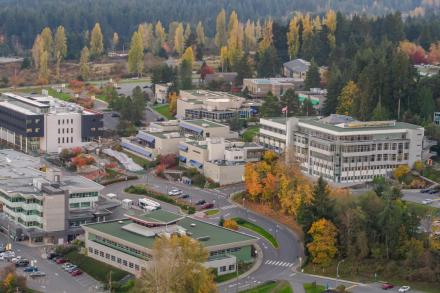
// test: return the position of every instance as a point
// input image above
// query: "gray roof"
(297, 65)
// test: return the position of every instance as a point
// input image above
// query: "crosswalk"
(279, 263)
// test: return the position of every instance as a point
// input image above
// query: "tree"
(220, 35)
(271, 106)
(313, 78)
(425, 102)
(345, 100)
(159, 33)
(249, 42)
(293, 38)
(43, 69)
(290, 100)
(177, 266)
(187, 32)
(37, 50)
(230, 224)
(60, 48)
(136, 55)
(172, 103)
(434, 53)
(84, 64)
(379, 113)
(334, 87)
(401, 172)
(235, 39)
(224, 58)
(252, 181)
(185, 74)
(267, 36)
(204, 70)
(330, 23)
(146, 32)
(270, 186)
(138, 103)
(188, 56)
(46, 35)
(200, 33)
(419, 166)
(243, 69)
(96, 42)
(115, 41)
(323, 246)
(268, 63)
(179, 39)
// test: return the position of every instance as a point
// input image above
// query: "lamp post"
(337, 271)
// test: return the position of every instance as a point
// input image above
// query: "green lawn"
(271, 287)
(96, 269)
(313, 288)
(257, 229)
(249, 134)
(139, 160)
(432, 174)
(212, 212)
(163, 109)
(61, 96)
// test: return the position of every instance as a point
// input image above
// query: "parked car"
(185, 195)
(30, 269)
(174, 192)
(71, 268)
(426, 190)
(207, 206)
(66, 265)
(22, 263)
(427, 201)
(37, 274)
(387, 286)
(160, 119)
(432, 191)
(61, 260)
(76, 272)
(15, 259)
(115, 114)
(200, 202)
(7, 254)
(404, 289)
(52, 255)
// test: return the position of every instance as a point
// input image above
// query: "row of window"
(29, 130)
(224, 251)
(374, 167)
(62, 140)
(61, 121)
(115, 259)
(356, 178)
(224, 268)
(84, 194)
(62, 130)
(20, 199)
(372, 147)
(273, 129)
(120, 246)
(376, 158)
(78, 205)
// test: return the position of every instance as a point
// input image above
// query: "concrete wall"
(55, 212)
(54, 131)
(223, 174)
(165, 146)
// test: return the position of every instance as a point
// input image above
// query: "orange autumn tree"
(252, 181)
(323, 246)
(230, 224)
(269, 190)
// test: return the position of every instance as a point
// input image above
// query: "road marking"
(291, 275)
(228, 207)
(279, 263)
(252, 219)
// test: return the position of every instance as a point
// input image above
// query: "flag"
(284, 110)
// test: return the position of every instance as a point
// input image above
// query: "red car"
(387, 286)
(207, 206)
(76, 273)
(61, 261)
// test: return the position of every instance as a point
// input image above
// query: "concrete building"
(39, 123)
(344, 150)
(296, 68)
(218, 159)
(436, 118)
(316, 96)
(127, 243)
(273, 134)
(260, 87)
(161, 93)
(44, 206)
(216, 106)
(226, 77)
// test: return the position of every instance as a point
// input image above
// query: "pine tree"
(271, 106)
(426, 103)
(334, 87)
(84, 64)
(313, 78)
(96, 42)
(380, 113)
(185, 73)
(268, 63)
(330, 23)
(179, 39)
(220, 35)
(136, 55)
(290, 100)
(60, 48)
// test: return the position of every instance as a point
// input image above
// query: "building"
(216, 106)
(344, 150)
(260, 87)
(273, 134)
(218, 159)
(296, 68)
(427, 70)
(437, 118)
(316, 96)
(39, 123)
(44, 206)
(221, 77)
(127, 243)
(161, 93)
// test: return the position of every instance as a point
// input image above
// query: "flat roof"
(211, 234)
(280, 120)
(158, 216)
(204, 123)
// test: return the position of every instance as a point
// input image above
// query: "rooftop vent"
(193, 225)
(203, 238)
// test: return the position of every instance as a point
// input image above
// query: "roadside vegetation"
(257, 229)
(212, 212)
(271, 287)
(313, 288)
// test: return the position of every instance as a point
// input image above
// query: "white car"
(427, 201)
(15, 259)
(174, 192)
(404, 289)
(7, 254)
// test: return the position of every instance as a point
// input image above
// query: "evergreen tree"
(185, 74)
(271, 106)
(380, 113)
(334, 87)
(290, 100)
(425, 102)
(243, 69)
(313, 78)
(268, 63)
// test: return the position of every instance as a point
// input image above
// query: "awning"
(192, 128)
(196, 164)
(313, 101)
(136, 149)
(182, 159)
(183, 147)
(146, 137)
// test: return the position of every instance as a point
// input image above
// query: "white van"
(148, 204)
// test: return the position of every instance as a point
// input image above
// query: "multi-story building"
(260, 87)
(128, 243)
(161, 93)
(218, 159)
(344, 150)
(216, 106)
(273, 133)
(39, 123)
(44, 206)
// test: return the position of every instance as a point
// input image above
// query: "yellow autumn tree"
(269, 190)
(322, 249)
(224, 58)
(230, 224)
(330, 23)
(434, 53)
(188, 56)
(401, 171)
(172, 103)
(252, 181)
(267, 36)
(293, 37)
(235, 39)
(249, 42)
(345, 101)
(179, 39)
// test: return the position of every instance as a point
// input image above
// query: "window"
(63, 139)
(59, 140)
(96, 251)
(107, 256)
(71, 121)
(130, 265)
(119, 260)
(101, 253)
(124, 262)
(90, 250)
(71, 130)
(113, 258)
(58, 131)
(223, 269)
(231, 267)
(58, 121)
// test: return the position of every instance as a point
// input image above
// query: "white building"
(39, 123)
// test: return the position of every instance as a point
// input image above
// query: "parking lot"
(56, 280)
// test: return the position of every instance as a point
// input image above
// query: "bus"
(148, 204)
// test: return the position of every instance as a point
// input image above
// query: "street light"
(337, 271)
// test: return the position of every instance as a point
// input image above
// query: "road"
(277, 264)
(56, 280)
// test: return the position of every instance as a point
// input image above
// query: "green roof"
(158, 216)
(313, 101)
(208, 234)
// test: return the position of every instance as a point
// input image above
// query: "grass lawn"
(58, 95)
(313, 288)
(212, 212)
(249, 134)
(432, 174)
(271, 287)
(257, 229)
(139, 160)
(98, 270)
(163, 109)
